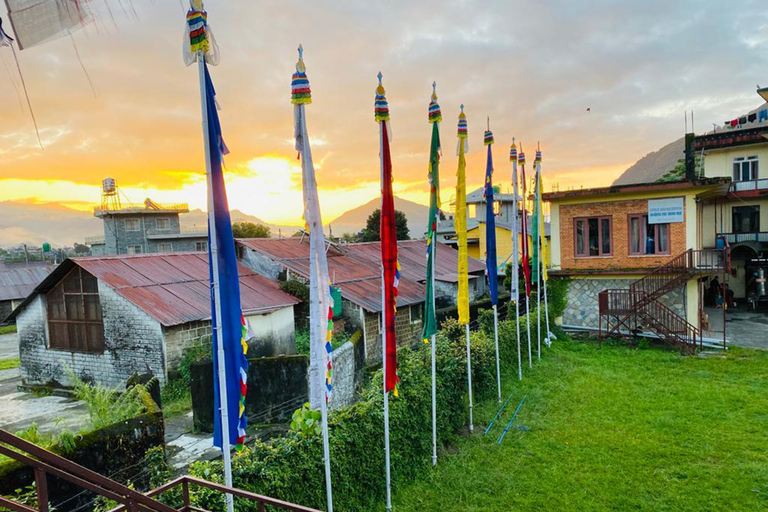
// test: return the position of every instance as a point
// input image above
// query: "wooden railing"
(45, 464)
(678, 270)
(671, 327)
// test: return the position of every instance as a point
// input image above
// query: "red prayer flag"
(389, 259)
(526, 265)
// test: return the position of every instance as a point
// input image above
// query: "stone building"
(150, 228)
(105, 318)
(17, 280)
(355, 269)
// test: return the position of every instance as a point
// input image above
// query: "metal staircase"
(627, 312)
(46, 464)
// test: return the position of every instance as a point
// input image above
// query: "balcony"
(184, 232)
(735, 238)
(749, 186)
(94, 240)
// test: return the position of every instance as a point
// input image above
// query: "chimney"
(690, 157)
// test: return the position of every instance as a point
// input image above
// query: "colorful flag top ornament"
(434, 109)
(463, 137)
(513, 153)
(198, 37)
(388, 235)
(321, 300)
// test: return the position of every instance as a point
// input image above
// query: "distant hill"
(354, 220)
(34, 224)
(199, 218)
(653, 165)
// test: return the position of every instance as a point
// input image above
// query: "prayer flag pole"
(430, 318)
(320, 299)
(490, 249)
(515, 258)
(229, 325)
(550, 335)
(537, 252)
(461, 234)
(526, 264)
(390, 273)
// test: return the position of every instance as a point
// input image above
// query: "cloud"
(532, 67)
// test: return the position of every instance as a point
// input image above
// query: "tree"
(350, 237)
(81, 249)
(250, 230)
(371, 231)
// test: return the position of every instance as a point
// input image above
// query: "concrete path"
(184, 446)
(9, 345)
(744, 327)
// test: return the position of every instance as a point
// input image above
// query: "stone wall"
(180, 338)
(408, 325)
(259, 263)
(345, 376)
(118, 450)
(582, 309)
(133, 341)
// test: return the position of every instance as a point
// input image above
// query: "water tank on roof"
(108, 185)
(336, 295)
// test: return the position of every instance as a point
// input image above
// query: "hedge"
(291, 468)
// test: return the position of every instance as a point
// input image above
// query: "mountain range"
(654, 165)
(36, 223)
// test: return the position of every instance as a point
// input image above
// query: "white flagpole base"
(496, 343)
(434, 404)
(469, 379)
(519, 352)
(528, 325)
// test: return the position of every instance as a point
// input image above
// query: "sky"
(532, 68)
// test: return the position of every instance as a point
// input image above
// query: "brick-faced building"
(356, 270)
(108, 317)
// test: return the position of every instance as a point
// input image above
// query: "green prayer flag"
(430, 320)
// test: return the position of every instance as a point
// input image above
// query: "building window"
(472, 211)
(134, 249)
(593, 236)
(201, 246)
(645, 238)
(131, 224)
(163, 223)
(74, 314)
(415, 313)
(745, 168)
(746, 219)
(165, 247)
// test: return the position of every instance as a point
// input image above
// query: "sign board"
(663, 211)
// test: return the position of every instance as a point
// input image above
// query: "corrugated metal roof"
(17, 280)
(172, 288)
(356, 268)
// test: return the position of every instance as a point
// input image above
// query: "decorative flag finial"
(513, 151)
(300, 91)
(488, 136)
(462, 132)
(197, 21)
(434, 109)
(380, 105)
(521, 157)
(537, 159)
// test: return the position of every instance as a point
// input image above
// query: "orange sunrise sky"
(533, 67)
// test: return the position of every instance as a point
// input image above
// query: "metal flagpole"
(515, 248)
(539, 276)
(221, 367)
(469, 379)
(384, 342)
(548, 339)
(434, 351)
(496, 343)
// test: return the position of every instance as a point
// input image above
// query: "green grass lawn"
(7, 329)
(614, 429)
(9, 363)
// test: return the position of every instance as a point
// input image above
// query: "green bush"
(297, 288)
(107, 406)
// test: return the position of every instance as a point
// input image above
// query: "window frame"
(643, 217)
(161, 247)
(61, 339)
(131, 249)
(138, 225)
(599, 219)
(164, 219)
(756, 209)
(753, 168)
(204, 246)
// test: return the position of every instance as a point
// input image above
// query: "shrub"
(297, 288)
(107, 406)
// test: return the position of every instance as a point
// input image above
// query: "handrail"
(679, 269)
(46, 463)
